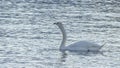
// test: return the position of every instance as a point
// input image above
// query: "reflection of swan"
(78, 46)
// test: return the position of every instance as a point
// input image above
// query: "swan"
(78, 46)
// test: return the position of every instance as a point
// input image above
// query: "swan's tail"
(102, 46)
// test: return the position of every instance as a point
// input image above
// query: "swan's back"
(83, 46)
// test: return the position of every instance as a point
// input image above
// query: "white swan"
(78, 46)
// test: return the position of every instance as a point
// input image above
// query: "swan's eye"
(58, 22)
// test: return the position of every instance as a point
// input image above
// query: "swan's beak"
(54, 23)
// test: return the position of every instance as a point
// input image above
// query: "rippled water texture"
(28, 38)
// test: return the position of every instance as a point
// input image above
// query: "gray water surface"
(28, 38)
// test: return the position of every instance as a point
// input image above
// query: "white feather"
(78, 46)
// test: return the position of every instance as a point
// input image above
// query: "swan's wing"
(83, 45)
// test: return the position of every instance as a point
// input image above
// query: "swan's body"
(82, 46)
(78, 46)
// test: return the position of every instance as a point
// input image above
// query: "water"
(28, 38)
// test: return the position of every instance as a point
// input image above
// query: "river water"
(28, 38)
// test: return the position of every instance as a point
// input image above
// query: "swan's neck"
(62, 46)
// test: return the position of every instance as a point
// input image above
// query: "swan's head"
(58, 23)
